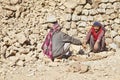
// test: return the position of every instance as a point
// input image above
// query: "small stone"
(72, 32)
(102, 6)
(20, 63)
(78, 9)
(6, 2)
(82, 24)
(83, 18)
(62, 7)
(116, 5)
(113, 16)
(14, 2)
(77, 67)
(90, 18)
(113, 46)
(117, 20)
(113, 34)
(11, 8)
(75, 17)
(101, 10)
(117, 40)
(67, 25)
(85, 12)
(67, 17)
(52, 3)
(104, 0)
(70, 4)
(20, 9)
(109, 6)
(75, 49)
(87, 6)
(24, 50)
(93, 12)
(112, 0)
(82, 1)
(109, 11)
(69, 10)
(108, 41)
(9, 13)
(21, 38)
(98, 18)
(73, 25)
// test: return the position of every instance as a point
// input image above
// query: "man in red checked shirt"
(96, 38)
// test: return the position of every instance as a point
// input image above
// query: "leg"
(103, 45)
(66, 50)
(91, 42)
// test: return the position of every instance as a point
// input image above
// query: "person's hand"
(96, 46)
(84, 45)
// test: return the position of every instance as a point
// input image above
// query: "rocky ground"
(24, 24)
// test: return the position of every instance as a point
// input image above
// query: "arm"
(87, 37)
(69, 39)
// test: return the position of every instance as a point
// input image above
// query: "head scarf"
(97, 24)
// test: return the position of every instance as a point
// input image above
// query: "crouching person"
(57, 43)
(96, 38)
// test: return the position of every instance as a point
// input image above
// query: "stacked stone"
(24, 23)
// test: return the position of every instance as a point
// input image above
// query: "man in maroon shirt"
(96, 38)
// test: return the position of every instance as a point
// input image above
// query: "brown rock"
(14, 2)
(77, 67)
(21, 37)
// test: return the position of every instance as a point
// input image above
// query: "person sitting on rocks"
(96, 38)
(57, 43)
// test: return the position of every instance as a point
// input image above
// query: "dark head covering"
(97, 24)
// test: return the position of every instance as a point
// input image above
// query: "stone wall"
(23, 23)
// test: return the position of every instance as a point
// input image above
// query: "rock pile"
(23, 24)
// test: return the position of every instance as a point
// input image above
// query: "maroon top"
(97, 36)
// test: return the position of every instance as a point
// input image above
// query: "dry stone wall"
(24, 24)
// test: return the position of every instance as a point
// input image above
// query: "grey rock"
(93, 12)
(113, 34)
(85, 12)
(113, 46)
(101, 10)
(82, 24)
(83, 18)
(102, 6)
(90, 18)
(109, 11)
(75, 17)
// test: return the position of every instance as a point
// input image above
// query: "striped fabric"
(47, 44)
